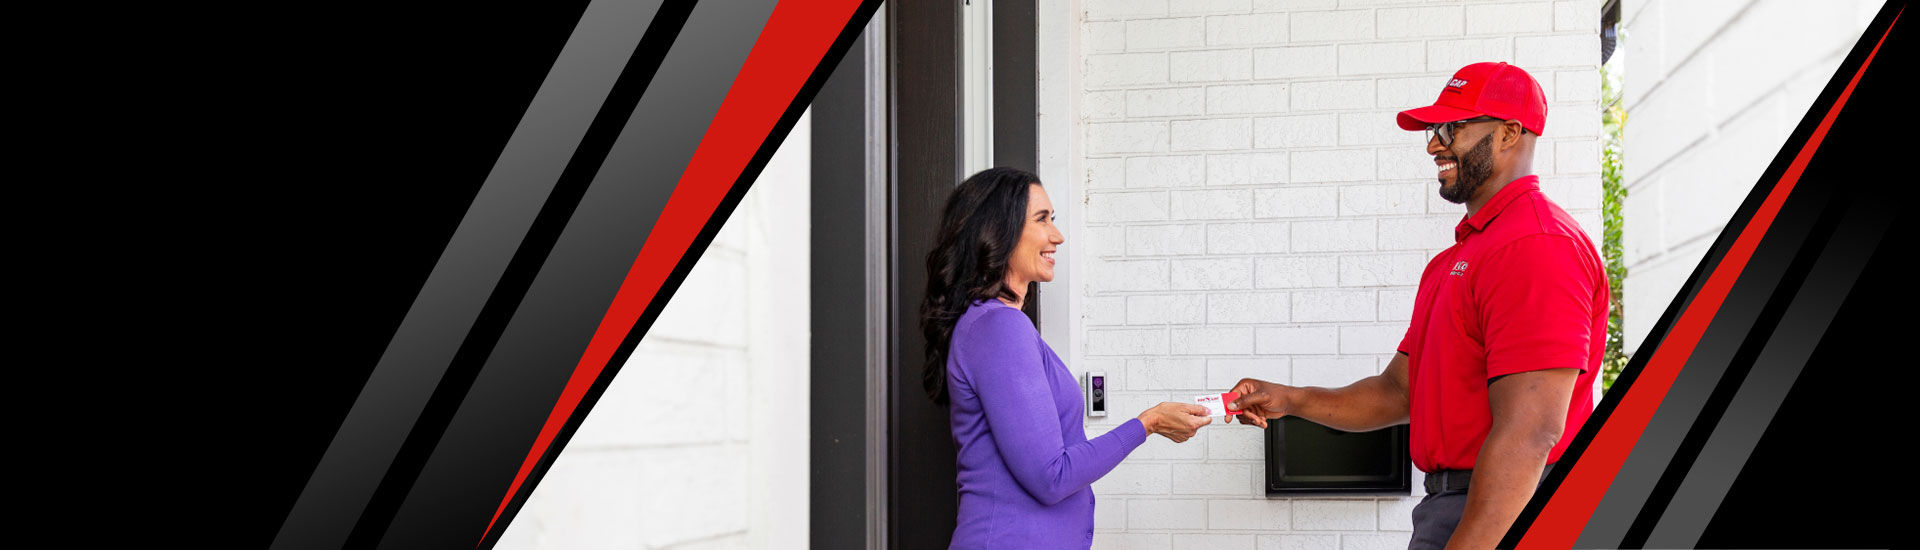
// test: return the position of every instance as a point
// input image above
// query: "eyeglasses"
(1444, 130)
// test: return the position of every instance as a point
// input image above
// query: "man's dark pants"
(1436, 516)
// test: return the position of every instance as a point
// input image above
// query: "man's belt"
(1453, 481)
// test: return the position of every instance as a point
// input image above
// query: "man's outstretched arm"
(1529, 414)
(1371, 403)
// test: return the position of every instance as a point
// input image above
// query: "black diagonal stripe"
(474, 267)
(487, 438)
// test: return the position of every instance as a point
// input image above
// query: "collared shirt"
(1521, 289)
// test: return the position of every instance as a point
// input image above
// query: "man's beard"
(1470, 171)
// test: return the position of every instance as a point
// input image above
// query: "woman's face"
(1033, 257)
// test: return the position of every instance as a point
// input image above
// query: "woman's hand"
(1177, 421)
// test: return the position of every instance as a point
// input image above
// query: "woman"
(1016, 412)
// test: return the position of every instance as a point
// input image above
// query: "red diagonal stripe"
(789, 48)
(1567, 511)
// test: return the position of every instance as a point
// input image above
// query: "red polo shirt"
(1521, 289)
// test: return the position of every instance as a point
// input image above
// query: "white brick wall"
(651, 466)
(1712, 90)
(1251, 210)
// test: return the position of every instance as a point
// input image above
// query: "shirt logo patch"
(1459, 268)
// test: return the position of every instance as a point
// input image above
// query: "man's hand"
(1259, 401)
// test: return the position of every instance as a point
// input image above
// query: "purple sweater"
(1025, 463)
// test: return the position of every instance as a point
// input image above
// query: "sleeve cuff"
(1133, 433)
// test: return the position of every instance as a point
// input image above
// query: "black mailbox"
(1307, 458)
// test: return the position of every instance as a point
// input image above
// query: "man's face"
(1461, 175)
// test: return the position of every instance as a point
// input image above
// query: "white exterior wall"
(658, 464)
(1712, 90)
(1249, 209)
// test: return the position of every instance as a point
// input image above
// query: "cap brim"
(1419, 118)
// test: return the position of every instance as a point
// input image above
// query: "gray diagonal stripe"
(466, 274)
(1660, 442)
(1760, 396)
(489, 436)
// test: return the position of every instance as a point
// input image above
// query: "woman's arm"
(1002, 356)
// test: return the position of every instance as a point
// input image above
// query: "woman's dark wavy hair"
(979, 229)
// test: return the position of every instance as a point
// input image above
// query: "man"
(1496, 371)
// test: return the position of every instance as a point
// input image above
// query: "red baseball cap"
(1491, 89)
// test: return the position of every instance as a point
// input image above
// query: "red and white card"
(1216, 403)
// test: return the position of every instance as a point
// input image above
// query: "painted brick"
(1246, 169)
(1411, 162)
(1296, 340)
(1109, 173)
(1447, 56)
(1127, 342)
(1378, 128)
(1212, 341)
(1385, 541)
(1212, 274)
(1214, 479)
(1175, 171)
(1157, 34)
(1333, 236)
(1166, 514)
(1242, 30)
(1104, 36)
(1216, 134)
(1338, 94)
(1296, 202)
(1104, 310)
(1165, 309)
(1576, 120)
(1396, 514)
(1371, 339)
(1573, 192)
(1122, 69)
(1336, 165)
(1298, 542)
(1127, 207)
(1133, 541)
(1244, 99)
(1213, 204)
(1396, 305)
(1232, 442)
(1333, 515)
(1126, 137)
(1295, 131)
(1576, 16)
(1187, 7)
(1124, 9)
(1212, 66)
(1420, 22)
(1104, 105)
(1511, 18)
(1374, 200)
(1257, 307)
(1213, 542)
(1291, 5)
(1166, 102)
(1533, 52)
(1382, 269)
(1387, 57)
(1296, 272)
(1579, 156)
(1104, 241)
(1109, 516)
(1163, 374)
(1331, 371)
(1399, 94)
(1124, 275)
(1223, 373)
(1333, 305)
(1160, 448)
(1346, 25)
(1295, 62)
(1164, 240)
(1432, 232)
(1576, 86)
(1135, 479)
(1247, 238)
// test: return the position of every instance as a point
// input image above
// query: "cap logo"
(1457, 83)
